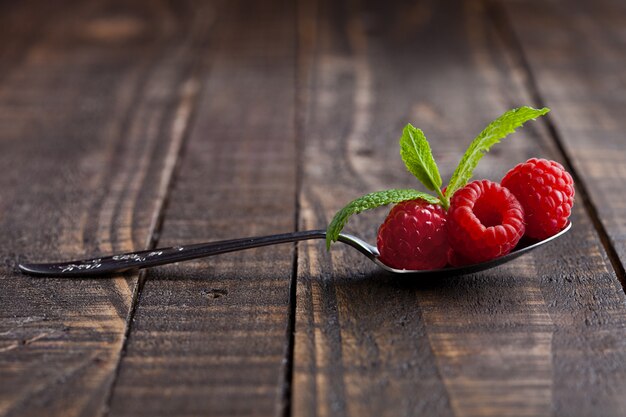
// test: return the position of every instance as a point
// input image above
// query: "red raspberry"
(413, 236)
(454, 259)
(485, 221)
(546, 191)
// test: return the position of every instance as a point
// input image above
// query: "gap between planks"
(183, 118)
(300, 100)
(504, 28)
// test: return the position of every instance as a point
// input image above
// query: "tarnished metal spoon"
(144, 259)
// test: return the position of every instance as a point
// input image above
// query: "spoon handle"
(143, 259)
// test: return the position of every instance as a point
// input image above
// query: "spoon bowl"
(522, 248)
(133, 261)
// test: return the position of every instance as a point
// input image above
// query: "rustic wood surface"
(131, 124)
(210, 336)
(94, 108)
(518, 340)
(576, 57)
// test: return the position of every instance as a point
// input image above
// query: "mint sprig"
(370, 201)
(418, 158)
(492, 134)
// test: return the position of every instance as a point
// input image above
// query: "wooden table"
(127, 125)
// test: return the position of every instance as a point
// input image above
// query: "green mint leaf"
(496, 130)
(370, 201)
(418, 158)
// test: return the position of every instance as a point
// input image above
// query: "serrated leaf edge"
(462, 167)
(395, 196)
(434, 177)
(435, 183)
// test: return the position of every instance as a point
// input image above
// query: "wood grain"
(93, 104)
(576, 54)
(542, 335)
(210, 336)
(130, 123)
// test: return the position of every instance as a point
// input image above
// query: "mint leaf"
(418, 158)
(496, 130)
(370, 201)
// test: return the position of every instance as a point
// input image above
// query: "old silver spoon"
(144, 259)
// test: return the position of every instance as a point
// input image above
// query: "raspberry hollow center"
(486, 213)
(484, 221)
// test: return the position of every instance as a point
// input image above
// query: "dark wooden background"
(134, 124)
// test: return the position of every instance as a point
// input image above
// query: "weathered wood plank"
(576, 53)
(542, 335)
(209, 336)
(92, 109)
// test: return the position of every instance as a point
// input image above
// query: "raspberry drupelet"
(413, 236)
(485, 221)
(546, 191)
